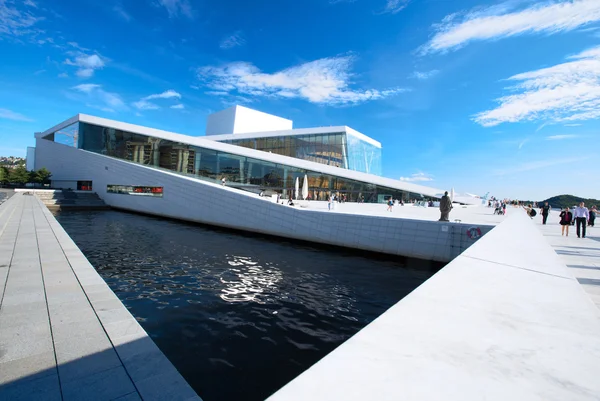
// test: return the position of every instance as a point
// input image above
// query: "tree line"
(20, 176)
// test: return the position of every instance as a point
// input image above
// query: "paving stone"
(19, 299)
(108, 305)
(42, 389)
(9, 311)
(169, 386)
(66, 297)
(32, 318)
(87, 328)
(148, 364)
(124, 328)
(79, 313)
(129, 397)
(28, 368)
(101, 295)
(129, 346)
(19, 342)
(86, 365)
(113, 315)
(102, 386)
(80, 346)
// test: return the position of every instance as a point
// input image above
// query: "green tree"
(4, 175)
(32, 176)
(19, 175)
(42, 176)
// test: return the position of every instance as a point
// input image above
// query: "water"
(238, 315)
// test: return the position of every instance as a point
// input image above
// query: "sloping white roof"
(257, 154)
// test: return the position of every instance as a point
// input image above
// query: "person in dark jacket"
(545, 210)
(566, 217)
(592, 218)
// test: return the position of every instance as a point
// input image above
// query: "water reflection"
(237, 325)
(247, 281)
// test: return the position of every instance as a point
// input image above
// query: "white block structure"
(239, 119)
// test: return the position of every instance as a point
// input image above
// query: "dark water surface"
(238, 315)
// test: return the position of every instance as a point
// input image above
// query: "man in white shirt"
(581, 216)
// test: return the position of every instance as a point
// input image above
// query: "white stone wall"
(200, 201)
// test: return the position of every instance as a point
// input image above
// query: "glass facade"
(244, 173)
(362, 156)
(320, 148)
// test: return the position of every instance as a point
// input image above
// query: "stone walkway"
(64, 335)
(581, 255)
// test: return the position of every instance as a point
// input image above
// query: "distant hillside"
(561, 201)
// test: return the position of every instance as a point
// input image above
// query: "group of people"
(581, 216)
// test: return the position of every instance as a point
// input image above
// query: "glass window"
(135, 190)
(68, 135)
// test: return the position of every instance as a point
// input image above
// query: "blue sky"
(477, 95)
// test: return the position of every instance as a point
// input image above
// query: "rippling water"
(238, 315)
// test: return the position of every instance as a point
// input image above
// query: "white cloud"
(573, 125)
(499, 22)
(86, 64)
(63, 75)
(233, 40)
(178, 106)
(561, 137)
(86, 88)
(120, 11)
(565, 92)
(165, 95)
(394, 6)
(216, 93)
(523, 143)
(12, 115)
(98, 98)
(417, 177)
(144, 104)
(15, 22)
(324, 81)
(176, 8)
(423, 75)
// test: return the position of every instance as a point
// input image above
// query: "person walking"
(592, 218)
(390, 205)
(328, 202)
(545, 212)
(445, 207)
(566, 217)
(581, 215)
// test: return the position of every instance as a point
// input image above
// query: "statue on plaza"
(445, 207)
